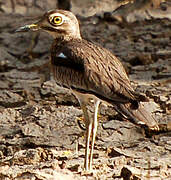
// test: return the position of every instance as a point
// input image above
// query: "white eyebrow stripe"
(59, 14)
(61, 55)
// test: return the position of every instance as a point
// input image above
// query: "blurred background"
(158, 8)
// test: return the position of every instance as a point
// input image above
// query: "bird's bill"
(30, 27)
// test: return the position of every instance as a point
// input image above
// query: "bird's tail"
(139, 116)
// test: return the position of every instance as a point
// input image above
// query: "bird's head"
(58, 23)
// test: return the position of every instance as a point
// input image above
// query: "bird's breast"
(66, 72)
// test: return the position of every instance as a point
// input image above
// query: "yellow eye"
(57, 20)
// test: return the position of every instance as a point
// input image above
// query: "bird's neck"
(60, 42)
(63, 39)
(64, 35)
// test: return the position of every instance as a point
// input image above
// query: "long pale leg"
(91, 125)
(94, 130)
(88, 123)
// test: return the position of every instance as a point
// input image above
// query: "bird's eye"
(56, 20)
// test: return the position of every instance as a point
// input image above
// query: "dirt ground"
(39, 134)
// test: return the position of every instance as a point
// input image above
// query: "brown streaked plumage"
(91, 72)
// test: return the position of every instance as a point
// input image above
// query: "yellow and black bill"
(30, 27)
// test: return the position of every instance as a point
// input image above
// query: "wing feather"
(103, 72)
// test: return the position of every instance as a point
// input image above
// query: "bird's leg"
(94, 130)
(91, 129)
(88, 123)
(90, 118)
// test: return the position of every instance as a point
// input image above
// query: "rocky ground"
(39, 134)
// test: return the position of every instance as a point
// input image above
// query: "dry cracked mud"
(39, 134)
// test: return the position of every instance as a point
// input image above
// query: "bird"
(92, 73)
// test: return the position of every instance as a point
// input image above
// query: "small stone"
(10, 99)
(163, 98)
(129, 172)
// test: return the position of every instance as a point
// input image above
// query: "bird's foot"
(89, 172)
(80, 121)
